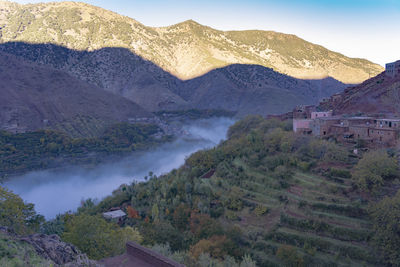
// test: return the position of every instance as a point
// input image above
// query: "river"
(55, 192)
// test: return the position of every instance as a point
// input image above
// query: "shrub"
(374, 169)
(17, 215)
(260, 210)
(386, 217)
(289, 256)
(97, 237)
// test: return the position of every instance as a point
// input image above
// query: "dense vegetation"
(265, 196)
(46, 148)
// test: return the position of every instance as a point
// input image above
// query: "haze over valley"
(60, 191)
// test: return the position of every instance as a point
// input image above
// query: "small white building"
(393, 69)
(114, 215)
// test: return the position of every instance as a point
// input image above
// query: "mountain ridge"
(121, 72)
(186, 49)
(378, 95)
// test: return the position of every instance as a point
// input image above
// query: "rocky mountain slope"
(245, 89)
(34, 96)
(186, 50)
(255, 89)
(380, 94)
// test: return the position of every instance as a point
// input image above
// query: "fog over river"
(55, 192)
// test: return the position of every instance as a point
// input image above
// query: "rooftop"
(393, 119)
(114, 214)
(138, 256)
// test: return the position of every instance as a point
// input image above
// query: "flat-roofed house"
(393, 69)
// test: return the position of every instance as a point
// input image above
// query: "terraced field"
(316, 215)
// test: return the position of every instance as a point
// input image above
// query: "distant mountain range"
(186, 50)
(378, 95)
(130, 69)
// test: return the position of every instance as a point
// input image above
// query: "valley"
(97, 181)
(123, 144)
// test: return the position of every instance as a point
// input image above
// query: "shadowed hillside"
(34, 97)
(246, 89)
(380, 94)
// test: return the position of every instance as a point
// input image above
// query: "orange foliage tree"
(217, 246)
(132, 213)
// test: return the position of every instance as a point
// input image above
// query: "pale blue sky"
(357, 28)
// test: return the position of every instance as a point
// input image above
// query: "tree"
(386, 217)
(374, 169)
(132, 213)
(17, 215)
(202, 226)
(181, 217)
(97, 237)
(155, 213)
(217, 246)
(289, 256)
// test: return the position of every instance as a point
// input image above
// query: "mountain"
(34, 96)
(380, 94)
(253, 89)
(186, 50)
(245, 89)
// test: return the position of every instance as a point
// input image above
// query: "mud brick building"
(374, 131)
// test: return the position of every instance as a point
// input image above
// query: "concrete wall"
(301, 124)
(322, 127)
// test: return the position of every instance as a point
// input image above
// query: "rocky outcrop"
(51, 248)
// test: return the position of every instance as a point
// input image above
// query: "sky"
(356, 28)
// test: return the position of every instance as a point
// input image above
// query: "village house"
(373, 131)
(393, 69)
(114, 215)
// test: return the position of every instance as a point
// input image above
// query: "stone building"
(393, 69)
(302, 119)
(375, 132)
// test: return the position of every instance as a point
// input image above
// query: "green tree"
(386, 217)
(289, 256)
(17, 215)
(96, 237)
(374, 169)
(155, 213)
